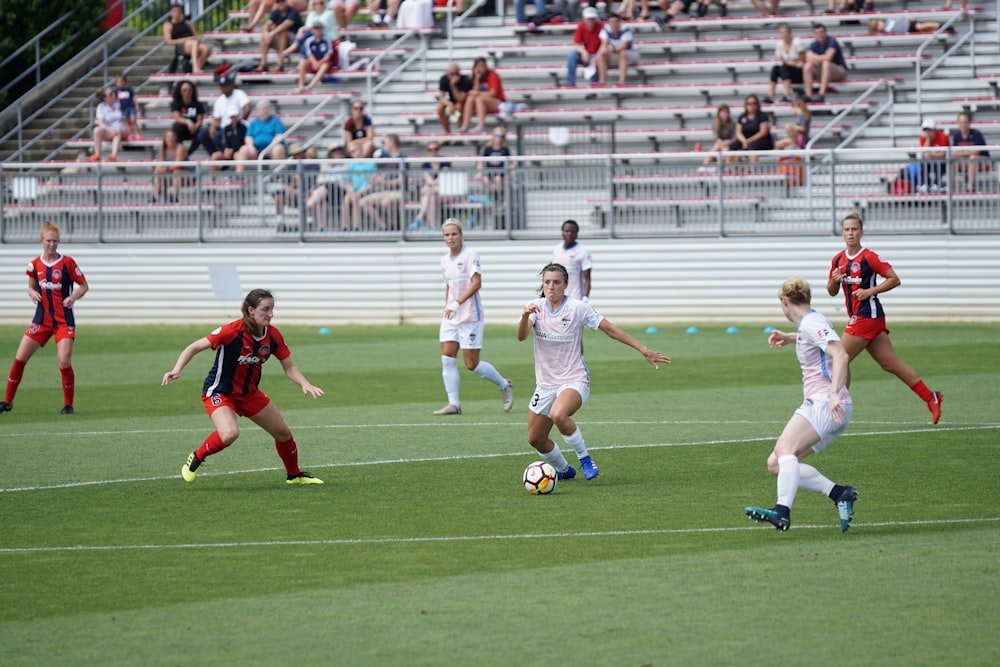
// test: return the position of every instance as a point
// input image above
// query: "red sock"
(16, 372)
(213, 445)
(921, 390)
(69, 383)
(289, 454)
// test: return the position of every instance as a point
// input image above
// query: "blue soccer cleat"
(589, 468)
(845, 506)
(772, 516)
(568, 473)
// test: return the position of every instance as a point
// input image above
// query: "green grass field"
(423, 549)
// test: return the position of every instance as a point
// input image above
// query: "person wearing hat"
(932, 162)
(278, 32)
(319, 56)
(229, 96)
(231, 138)
(825, 61)
(180, 33)
(586, 44)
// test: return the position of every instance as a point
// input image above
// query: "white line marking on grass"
(465, 457)
(475, 538)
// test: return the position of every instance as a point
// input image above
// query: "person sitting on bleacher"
(901, 26)
(171, 154)
(753, 129)
(230, 96)
(179, 33)
(790, 53)
(931, 168)
(586, 44)
(383, 18)
(319, 12)
(344, 11)
(261, 136)
(971, 159)
(188, 112)
(231, 138)
(484, 98)
(359, 130)
(453, 88)
(318, 56)
(109, 124)
(617, 42)
(693, 8)
(798, 129)
(724, 132)
(280, 30)
(824, 60)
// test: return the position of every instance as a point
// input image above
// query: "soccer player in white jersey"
(824, 414)
(576, 258)
(562, 381)
(462, 324)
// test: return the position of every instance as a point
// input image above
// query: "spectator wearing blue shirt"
(261, 134)
(968, 159)
(279, 32)
(825, 60)
(318, 57)
(360, 173)
(126, 101)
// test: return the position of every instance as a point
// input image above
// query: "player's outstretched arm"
(293, 373)
(653, 357)
(187, 355)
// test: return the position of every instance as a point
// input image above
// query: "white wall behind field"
(945, 278)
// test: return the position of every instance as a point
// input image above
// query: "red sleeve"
(877, 262)
(74, 271)
(279, 349)
(225, 334)
(834, 264)
(493, 83)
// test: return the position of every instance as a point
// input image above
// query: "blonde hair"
(454, 223)
(796, 290)
(47, 227)
(853, 215)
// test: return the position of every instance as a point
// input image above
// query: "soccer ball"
(540, 478)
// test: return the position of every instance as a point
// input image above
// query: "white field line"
(466, 457)
(472, 538)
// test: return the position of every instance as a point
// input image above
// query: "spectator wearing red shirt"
(230, 390)
(50, 286)
(586, 44)
(932, 163)
(485, 96)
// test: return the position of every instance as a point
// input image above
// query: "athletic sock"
(68, 384)
(452, 380)
(921, 390)
(575, 440)
(811, 479)
(213, 445)
(555, 458)
(289, 454)
(486, 371)
(788, 479)
(16, 373)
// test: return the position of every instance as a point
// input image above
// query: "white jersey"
(559, 342)
(814, 333)
(576, 260)
(457, 272)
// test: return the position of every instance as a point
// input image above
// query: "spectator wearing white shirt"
(790, 54)
(617, 42)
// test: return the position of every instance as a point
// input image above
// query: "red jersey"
(590, 39)
(859, 272)
(55, 283)
(239, 357)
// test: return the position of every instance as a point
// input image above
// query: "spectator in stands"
(319, 56)
(485, 96)
(932, 165)
(724, 132)
(790, 52)
(188, 113)
(519, 6)
(229, 96)
(256, 11)
(344, 11)
(824, 60)
(319, 12)
(109, 125)
(295, 189)
(850, 6)
(279, 32)
(415, 14)
(171, 154)
(387, 192)
(179, 33)
(673, 9)
(358, 129)
(453, 89)
(617, 42)
(329, 189)
(586, 44)
(383, 18)
(430, 197)
(358, 184)
(231, 138)
(264, 136)
(495, 167)
(900, 26)
(798, 129)
(126, 102)
(753, 129)
(969, 162)
(766, 10)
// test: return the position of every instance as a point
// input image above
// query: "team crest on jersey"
(566, 321)
(56, 274)
(855, 267)
(822, 333)
(265, 350)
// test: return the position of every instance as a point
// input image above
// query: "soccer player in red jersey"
(856, 268)
(230, 390)
(51, 277)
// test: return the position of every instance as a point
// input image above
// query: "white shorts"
(468, 335)
(816, 410)
(542, 399)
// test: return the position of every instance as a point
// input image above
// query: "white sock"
(486, 371)
(449, 371)
(788, 479)
(555, 459)
(575, 440)
(811, 479)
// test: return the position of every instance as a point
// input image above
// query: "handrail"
(39, 59)
(845, 111)
(933, 39)
(371, 89)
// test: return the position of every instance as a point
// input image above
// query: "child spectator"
(232, 137)
(798, 129)
(617, 42)
(724, 132)
(790, 52)
(969, 162)
(319, 56)
(126, 102)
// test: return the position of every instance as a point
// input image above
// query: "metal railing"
(655, 195)
(922, 72)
